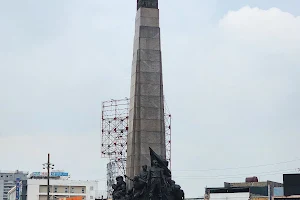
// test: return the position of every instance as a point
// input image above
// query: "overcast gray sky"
(231, 78)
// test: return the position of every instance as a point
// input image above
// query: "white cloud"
(270, 29)
(237, 95)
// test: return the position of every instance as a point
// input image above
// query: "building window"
(55, 189)
(91, 188)
(72, 190)
(66, 190)
(82, 190)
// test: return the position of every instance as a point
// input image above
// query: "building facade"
(1, 188)
(293, 197)
(8, 181)
(264, 188)
(36, 189)
(244, 190)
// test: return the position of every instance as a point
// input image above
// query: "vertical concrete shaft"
(146, 118)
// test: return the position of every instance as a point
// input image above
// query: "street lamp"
(48, 166)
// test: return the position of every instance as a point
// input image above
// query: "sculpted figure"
(138, 189)
(139, 186)
(152, 183)
(177, 192)
(143, 179)
(119, 189)
(155, 179)
(144, 173)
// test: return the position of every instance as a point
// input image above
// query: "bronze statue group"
(154, 183)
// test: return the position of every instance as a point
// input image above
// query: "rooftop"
(253, 184)
(228, 190)
(13, 172)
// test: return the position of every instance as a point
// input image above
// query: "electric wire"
(260, 174)
(243, 167)
(235, 176)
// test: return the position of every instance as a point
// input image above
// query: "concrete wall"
(1, 189)
(253, 184)
(11, 194)
(266, 188)
(230, 196)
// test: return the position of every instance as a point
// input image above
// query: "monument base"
(154, 183)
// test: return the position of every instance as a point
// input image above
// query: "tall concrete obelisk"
(146, 118)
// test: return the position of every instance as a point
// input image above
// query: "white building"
(36, 189)
(8, 180)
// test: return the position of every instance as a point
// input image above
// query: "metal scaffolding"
(168, 137)
(115, 114)
(115, 120)
(113, 171)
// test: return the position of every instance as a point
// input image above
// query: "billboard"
(17, 188)
(52, 174)
(291, 184)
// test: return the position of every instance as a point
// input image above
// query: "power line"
(229, 175)
(244, 167)
(233, 176)
(259, 173)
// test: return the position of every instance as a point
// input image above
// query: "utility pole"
(48, 166)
